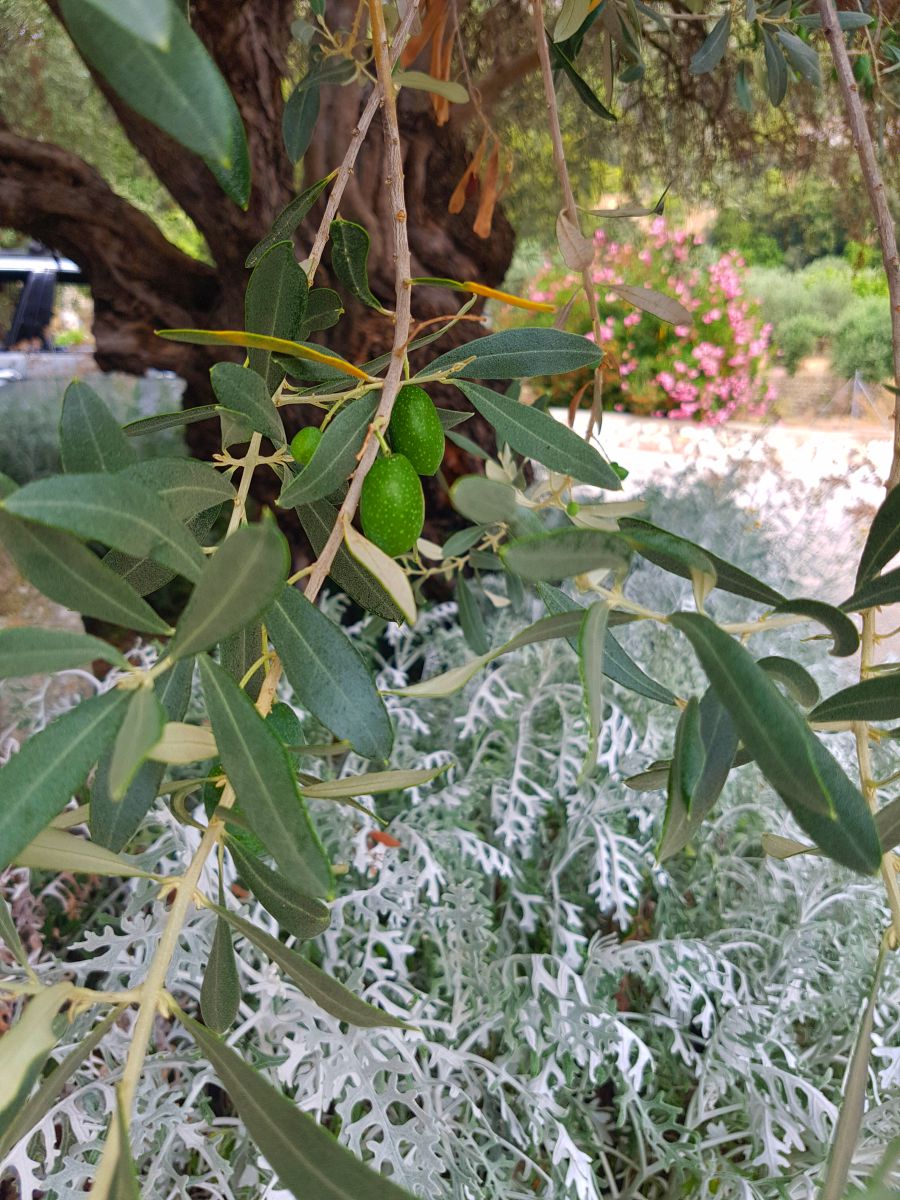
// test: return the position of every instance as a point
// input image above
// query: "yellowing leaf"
(259, 341)
(780, 847)
(390, 575)
(371, 783)
(56, 850)
(24, 1048)
(181, 744)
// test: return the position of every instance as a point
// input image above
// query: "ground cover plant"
(250, 796)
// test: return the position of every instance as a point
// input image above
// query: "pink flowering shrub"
(706, 371)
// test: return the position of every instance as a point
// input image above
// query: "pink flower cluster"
(708, 370)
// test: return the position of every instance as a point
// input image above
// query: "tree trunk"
(141, 283)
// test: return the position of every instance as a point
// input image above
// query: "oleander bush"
(708, 363)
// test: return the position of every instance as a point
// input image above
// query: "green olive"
(392, 505)
(416, 431)
(304, 443)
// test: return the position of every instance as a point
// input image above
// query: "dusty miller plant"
(239, 769)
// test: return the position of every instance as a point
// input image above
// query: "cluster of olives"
(392, 504)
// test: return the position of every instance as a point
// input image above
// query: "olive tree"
(109, 531)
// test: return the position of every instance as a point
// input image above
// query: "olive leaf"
(27, 1115)
(288, 220)
(65, 570)
(328, 674)
(234, 588)
(28, 651)
(330, 995)
(537, 435)
(298, 914)
(349, 258)
(274, 304)
(90, 438)
(140, 730)
(113, 823)
(112, 509)
(809, 780)
(334, 459)
(591, 640)
(220, 992)
(24, 1048)
(305, 1157)
(39, 779)
(175, 84)
(258, 769)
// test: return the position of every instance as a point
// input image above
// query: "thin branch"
(358, 136)
(570, 207)
(152, 990)
(403, 293)
(871, 172)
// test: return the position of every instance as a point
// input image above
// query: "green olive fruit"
(392, 505)
(304, 443)
(573, 508)
(416, 431)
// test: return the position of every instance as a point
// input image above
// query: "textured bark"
(141, 283)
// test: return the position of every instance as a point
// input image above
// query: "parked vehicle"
(36, 273)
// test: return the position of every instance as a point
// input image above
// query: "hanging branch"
(152, 991)
(872, 177)
(403, 295)
(570, 208)
(358, 136)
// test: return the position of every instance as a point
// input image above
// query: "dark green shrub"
(796, 338)
(791, 221)
(862, 340)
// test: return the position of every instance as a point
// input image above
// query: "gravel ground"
(818, 485)
(837, 469)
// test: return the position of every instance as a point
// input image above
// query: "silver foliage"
(591, 1025)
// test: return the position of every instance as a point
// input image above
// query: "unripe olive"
(573, 508)
(304, 443)
(392, 505)
(416, 431)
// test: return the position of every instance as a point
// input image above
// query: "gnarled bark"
(139, 280)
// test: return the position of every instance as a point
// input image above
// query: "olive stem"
(402, 273)
(358, 136)
(878, 198)
(570, 208)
